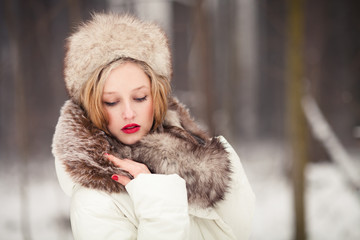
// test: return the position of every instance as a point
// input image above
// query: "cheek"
(110, 117)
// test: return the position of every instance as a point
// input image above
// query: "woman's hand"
(134, 168)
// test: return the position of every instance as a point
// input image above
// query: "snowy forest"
(279, 79)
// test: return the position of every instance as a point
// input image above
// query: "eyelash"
(110, 104)
(141, 99)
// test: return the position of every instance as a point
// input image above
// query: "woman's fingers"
(124, 180)
(134, 168)
(116, 161)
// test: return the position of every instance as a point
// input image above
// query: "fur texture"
(108, 37)
(179, 146)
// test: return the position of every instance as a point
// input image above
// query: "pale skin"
(134, 168)
(127, 100)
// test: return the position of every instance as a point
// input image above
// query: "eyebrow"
(134, 90)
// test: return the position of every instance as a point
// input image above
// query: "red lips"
(131, 128)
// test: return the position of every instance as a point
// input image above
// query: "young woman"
(130, 156)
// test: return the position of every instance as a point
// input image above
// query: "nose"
(128, 112)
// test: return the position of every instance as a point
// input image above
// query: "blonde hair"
(91, 94)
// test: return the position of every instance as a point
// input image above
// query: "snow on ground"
(263, 165)
(333, 209)
(48, 206)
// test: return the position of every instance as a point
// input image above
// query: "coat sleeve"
(159, 203)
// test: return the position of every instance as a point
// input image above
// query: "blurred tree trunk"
(204, 63)
(249, 67)
(296, 120)
(226, 80)
(182, 23)
(13, 21)
(74, 7)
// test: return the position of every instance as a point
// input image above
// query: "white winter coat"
(155, 206)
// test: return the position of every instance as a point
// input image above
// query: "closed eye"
(141, 99)
(110, 103)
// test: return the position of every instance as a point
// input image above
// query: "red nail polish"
(114, 177)
(106, 154)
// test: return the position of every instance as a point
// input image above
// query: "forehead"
(127, 77)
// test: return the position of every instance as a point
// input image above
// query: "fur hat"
(107, 37)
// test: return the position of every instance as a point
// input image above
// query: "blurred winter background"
(279, 79)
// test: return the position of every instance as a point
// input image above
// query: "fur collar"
(179, 146)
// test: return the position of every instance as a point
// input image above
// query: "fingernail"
(114, 177)
(106, 154)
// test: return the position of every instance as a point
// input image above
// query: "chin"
(129, 140)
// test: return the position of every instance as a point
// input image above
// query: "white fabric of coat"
(155, 207)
